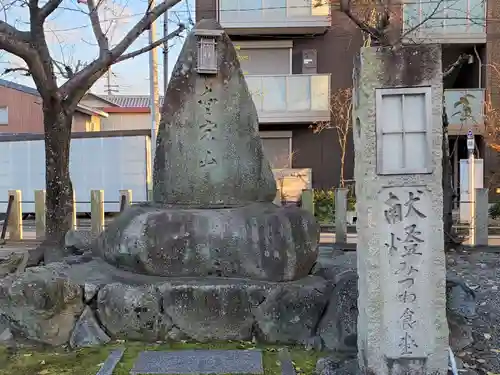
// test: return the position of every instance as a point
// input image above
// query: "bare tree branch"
(142, 26)
(65, 70)
(40, 64)
(85, 78)
(26, 71)
(341, 121)
(464, 57)
(49, 8)
(13, 33)
(102, 39)
(20, 43)
(427, 18)
(154, 45)
(378, 32)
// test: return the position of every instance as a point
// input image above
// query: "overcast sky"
(71, 39)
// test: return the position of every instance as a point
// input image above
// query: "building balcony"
(445, 21)
(459, 120)
(243, 17)
(291, 98)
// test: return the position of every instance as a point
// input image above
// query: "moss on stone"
(87, 361)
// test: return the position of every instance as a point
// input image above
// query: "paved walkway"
(325, 238)
(493, 240)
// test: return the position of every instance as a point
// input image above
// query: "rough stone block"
(337, 329)
(79, 239)
(461, 300)
(336, 366)
(208, 312)
(333, 267)
(132, 312)
(290, 313)
(42, 303)
(87, 331)
(6, 336)
(11, 263)
(460, 309)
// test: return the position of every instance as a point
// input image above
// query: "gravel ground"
(481, 271)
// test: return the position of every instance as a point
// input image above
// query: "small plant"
(324, 205)
(465, 111)
(351, 202)
(494, 210)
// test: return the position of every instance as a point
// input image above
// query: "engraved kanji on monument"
(405, 223)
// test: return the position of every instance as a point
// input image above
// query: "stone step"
(286, 362)
(187, 362)
(113, 359)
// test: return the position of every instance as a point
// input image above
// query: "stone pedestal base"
(259, 241)
(88, 304)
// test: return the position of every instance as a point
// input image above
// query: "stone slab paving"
(199, 362)
(286, 363)
(109, 365)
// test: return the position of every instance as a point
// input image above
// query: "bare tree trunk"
(57, 124)
(342, 167)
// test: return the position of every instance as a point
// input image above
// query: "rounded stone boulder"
(259, 241)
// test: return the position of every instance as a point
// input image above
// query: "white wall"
(111, 164)
(126, 121)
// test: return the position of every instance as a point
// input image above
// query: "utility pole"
(472, 186)
(153, 88)
(165, 54)
(110, 89)
(108, 81)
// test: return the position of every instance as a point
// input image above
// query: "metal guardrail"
(6, 220)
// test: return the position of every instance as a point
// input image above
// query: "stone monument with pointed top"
(213, 188)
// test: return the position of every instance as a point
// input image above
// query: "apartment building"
(460, 28)
(296, 53)
(21, 111)
(292, 60)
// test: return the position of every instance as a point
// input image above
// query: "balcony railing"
(445, 21)
(273, 16)
(291, 98)
(459, 119)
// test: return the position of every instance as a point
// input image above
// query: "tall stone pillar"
(397, 126)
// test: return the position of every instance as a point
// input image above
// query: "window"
(4, 116)
(403, 126)
(260, 61)
(277, 147)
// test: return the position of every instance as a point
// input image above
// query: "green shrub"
(351, 202)
(494, 210)
(324, 205)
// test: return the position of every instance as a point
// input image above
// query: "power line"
(187, 11)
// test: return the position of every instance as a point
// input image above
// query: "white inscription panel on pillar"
(404, 118)
(406, 265)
